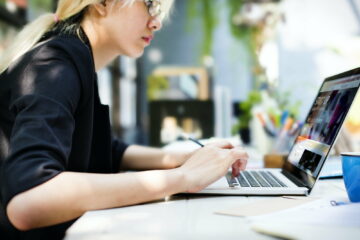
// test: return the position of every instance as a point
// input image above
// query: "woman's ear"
(101, 8)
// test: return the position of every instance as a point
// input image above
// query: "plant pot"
(245, 135)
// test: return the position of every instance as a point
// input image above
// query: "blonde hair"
(33, 31)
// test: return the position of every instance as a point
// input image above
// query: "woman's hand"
(210, 163)
(178, 158)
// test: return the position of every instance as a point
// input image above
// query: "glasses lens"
(154, 7)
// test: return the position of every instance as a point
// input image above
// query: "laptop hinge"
(292, 178)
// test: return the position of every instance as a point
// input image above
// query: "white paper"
(306, 232)
(319, 212)
(315, 220)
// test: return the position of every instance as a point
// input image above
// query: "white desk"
(181, 217)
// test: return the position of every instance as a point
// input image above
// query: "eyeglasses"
(154, 7)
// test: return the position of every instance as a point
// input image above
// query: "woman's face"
(129, 29)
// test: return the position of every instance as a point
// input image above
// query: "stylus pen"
(196, 141)
(336, 203)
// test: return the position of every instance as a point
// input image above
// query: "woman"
(57, 157)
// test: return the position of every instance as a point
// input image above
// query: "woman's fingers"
(238, 166)
(212, 162)
(222, 144)
(235, 169)
(239, 160)
(238, 153)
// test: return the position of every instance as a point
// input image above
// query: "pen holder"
(351, 173)
(274, 160)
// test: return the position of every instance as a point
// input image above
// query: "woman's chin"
(135, 54)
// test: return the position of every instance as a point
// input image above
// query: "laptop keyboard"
(254, 179)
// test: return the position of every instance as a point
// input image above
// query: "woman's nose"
(155, 24)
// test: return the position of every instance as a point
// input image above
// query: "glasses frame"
(154, 7)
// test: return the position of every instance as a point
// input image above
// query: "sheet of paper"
(316, 220)
(319, 212)
(305, 232)
(266, 206)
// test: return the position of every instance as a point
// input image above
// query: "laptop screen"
(321, 126)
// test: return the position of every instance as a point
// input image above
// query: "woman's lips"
(148, 39)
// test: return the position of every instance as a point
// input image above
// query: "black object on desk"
(189, 116)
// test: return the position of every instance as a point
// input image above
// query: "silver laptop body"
(309, 151)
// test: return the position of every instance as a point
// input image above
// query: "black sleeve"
(43, 105)
(118, 149)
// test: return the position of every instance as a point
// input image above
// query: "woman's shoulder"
(65, 48)
(57, 58)
(59, 64)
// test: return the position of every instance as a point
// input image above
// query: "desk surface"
(181, 217)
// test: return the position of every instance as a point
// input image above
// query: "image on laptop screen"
(322, 125)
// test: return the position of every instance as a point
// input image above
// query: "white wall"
(320, 38)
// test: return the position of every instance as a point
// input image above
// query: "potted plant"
(245, 116)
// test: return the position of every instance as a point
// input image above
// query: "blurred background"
(225, 68)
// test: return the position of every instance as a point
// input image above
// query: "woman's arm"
(146, 158)
(69, 195)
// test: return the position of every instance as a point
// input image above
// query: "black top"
(51, 120)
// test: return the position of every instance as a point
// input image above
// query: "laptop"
(310, 149)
